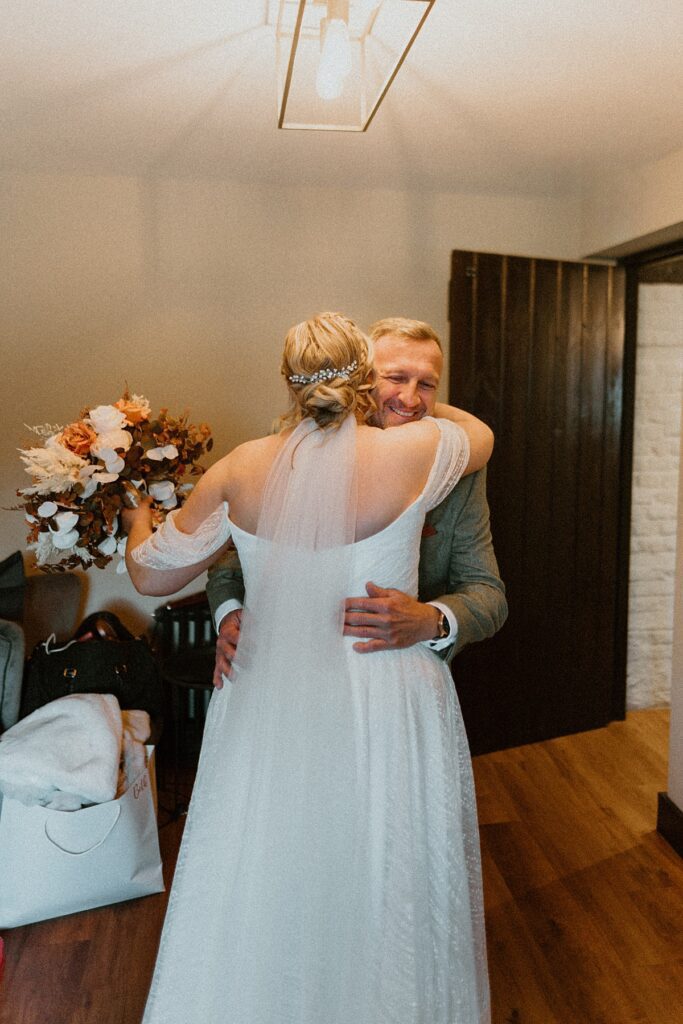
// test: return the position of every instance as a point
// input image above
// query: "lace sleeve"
(168, 548)
(452, 456)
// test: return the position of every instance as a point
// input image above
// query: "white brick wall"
(656, 454)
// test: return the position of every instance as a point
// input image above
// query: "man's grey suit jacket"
(458, 566)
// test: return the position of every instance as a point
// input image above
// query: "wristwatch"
(443, 628)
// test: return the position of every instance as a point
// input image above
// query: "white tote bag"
(60, 862)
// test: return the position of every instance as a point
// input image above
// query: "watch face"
(443, 627)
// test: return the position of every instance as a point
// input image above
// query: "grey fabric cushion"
(11, 672)
(12, 587)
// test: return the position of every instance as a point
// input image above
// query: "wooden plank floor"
(584, 901)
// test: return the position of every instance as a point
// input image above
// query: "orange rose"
(78, 438)
(134, 407)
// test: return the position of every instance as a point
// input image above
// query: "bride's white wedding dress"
(330, 872)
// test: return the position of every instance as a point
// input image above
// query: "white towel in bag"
(67, 753)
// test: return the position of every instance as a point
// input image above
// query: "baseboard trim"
(670, 822)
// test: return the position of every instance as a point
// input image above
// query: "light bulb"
(335, 59)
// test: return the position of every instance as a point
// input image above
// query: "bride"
(329, 872)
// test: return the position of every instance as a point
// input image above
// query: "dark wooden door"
(537, 350)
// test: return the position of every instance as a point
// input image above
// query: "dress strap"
(450, 462)
(170, 548)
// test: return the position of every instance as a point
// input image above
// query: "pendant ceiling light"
(337, 58)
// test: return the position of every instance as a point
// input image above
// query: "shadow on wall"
(136, 619)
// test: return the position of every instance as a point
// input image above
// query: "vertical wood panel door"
(537, 350)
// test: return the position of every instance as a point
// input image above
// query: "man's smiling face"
(408, 374)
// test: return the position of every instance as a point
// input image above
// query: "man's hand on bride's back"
(388, 619)
(226, 646)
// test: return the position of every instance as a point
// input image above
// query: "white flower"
(65, 521)
(47, 509)
(53, 468)
(110, 440)
(65, 540)
(113, 462)
(121, 567)
(162, 490)
(89, 488)
(107, 546)
(104, 478)
(66, 535)
(167, 451)
(53, 441)
(30, 518)
(104, 418)
(86, 480)
(170, 502)
(44, 429)
(43, 548)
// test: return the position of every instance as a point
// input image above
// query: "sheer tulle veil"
(303, 822)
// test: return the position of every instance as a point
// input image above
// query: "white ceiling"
(529, 96)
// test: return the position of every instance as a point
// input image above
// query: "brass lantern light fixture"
(336, 59)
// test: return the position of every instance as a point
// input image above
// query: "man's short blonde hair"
(400, 326)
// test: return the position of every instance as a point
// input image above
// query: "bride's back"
(392, 465)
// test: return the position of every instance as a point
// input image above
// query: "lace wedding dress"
(329, 871)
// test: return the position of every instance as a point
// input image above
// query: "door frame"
(632, 265)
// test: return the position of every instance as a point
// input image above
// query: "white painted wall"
(636, 201)
(656, 467)
(184, 290)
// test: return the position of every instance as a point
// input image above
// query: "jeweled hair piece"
(329, 374)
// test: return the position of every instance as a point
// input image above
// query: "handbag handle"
(80, 853)
(102, 626)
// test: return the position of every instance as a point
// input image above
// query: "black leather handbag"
(102, 657)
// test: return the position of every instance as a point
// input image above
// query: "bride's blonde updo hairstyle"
(331, 349)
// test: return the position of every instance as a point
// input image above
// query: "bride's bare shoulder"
(418, 439)
(258, 447)
(247, 456)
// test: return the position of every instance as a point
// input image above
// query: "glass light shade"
(333, 73)
(335, 63)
